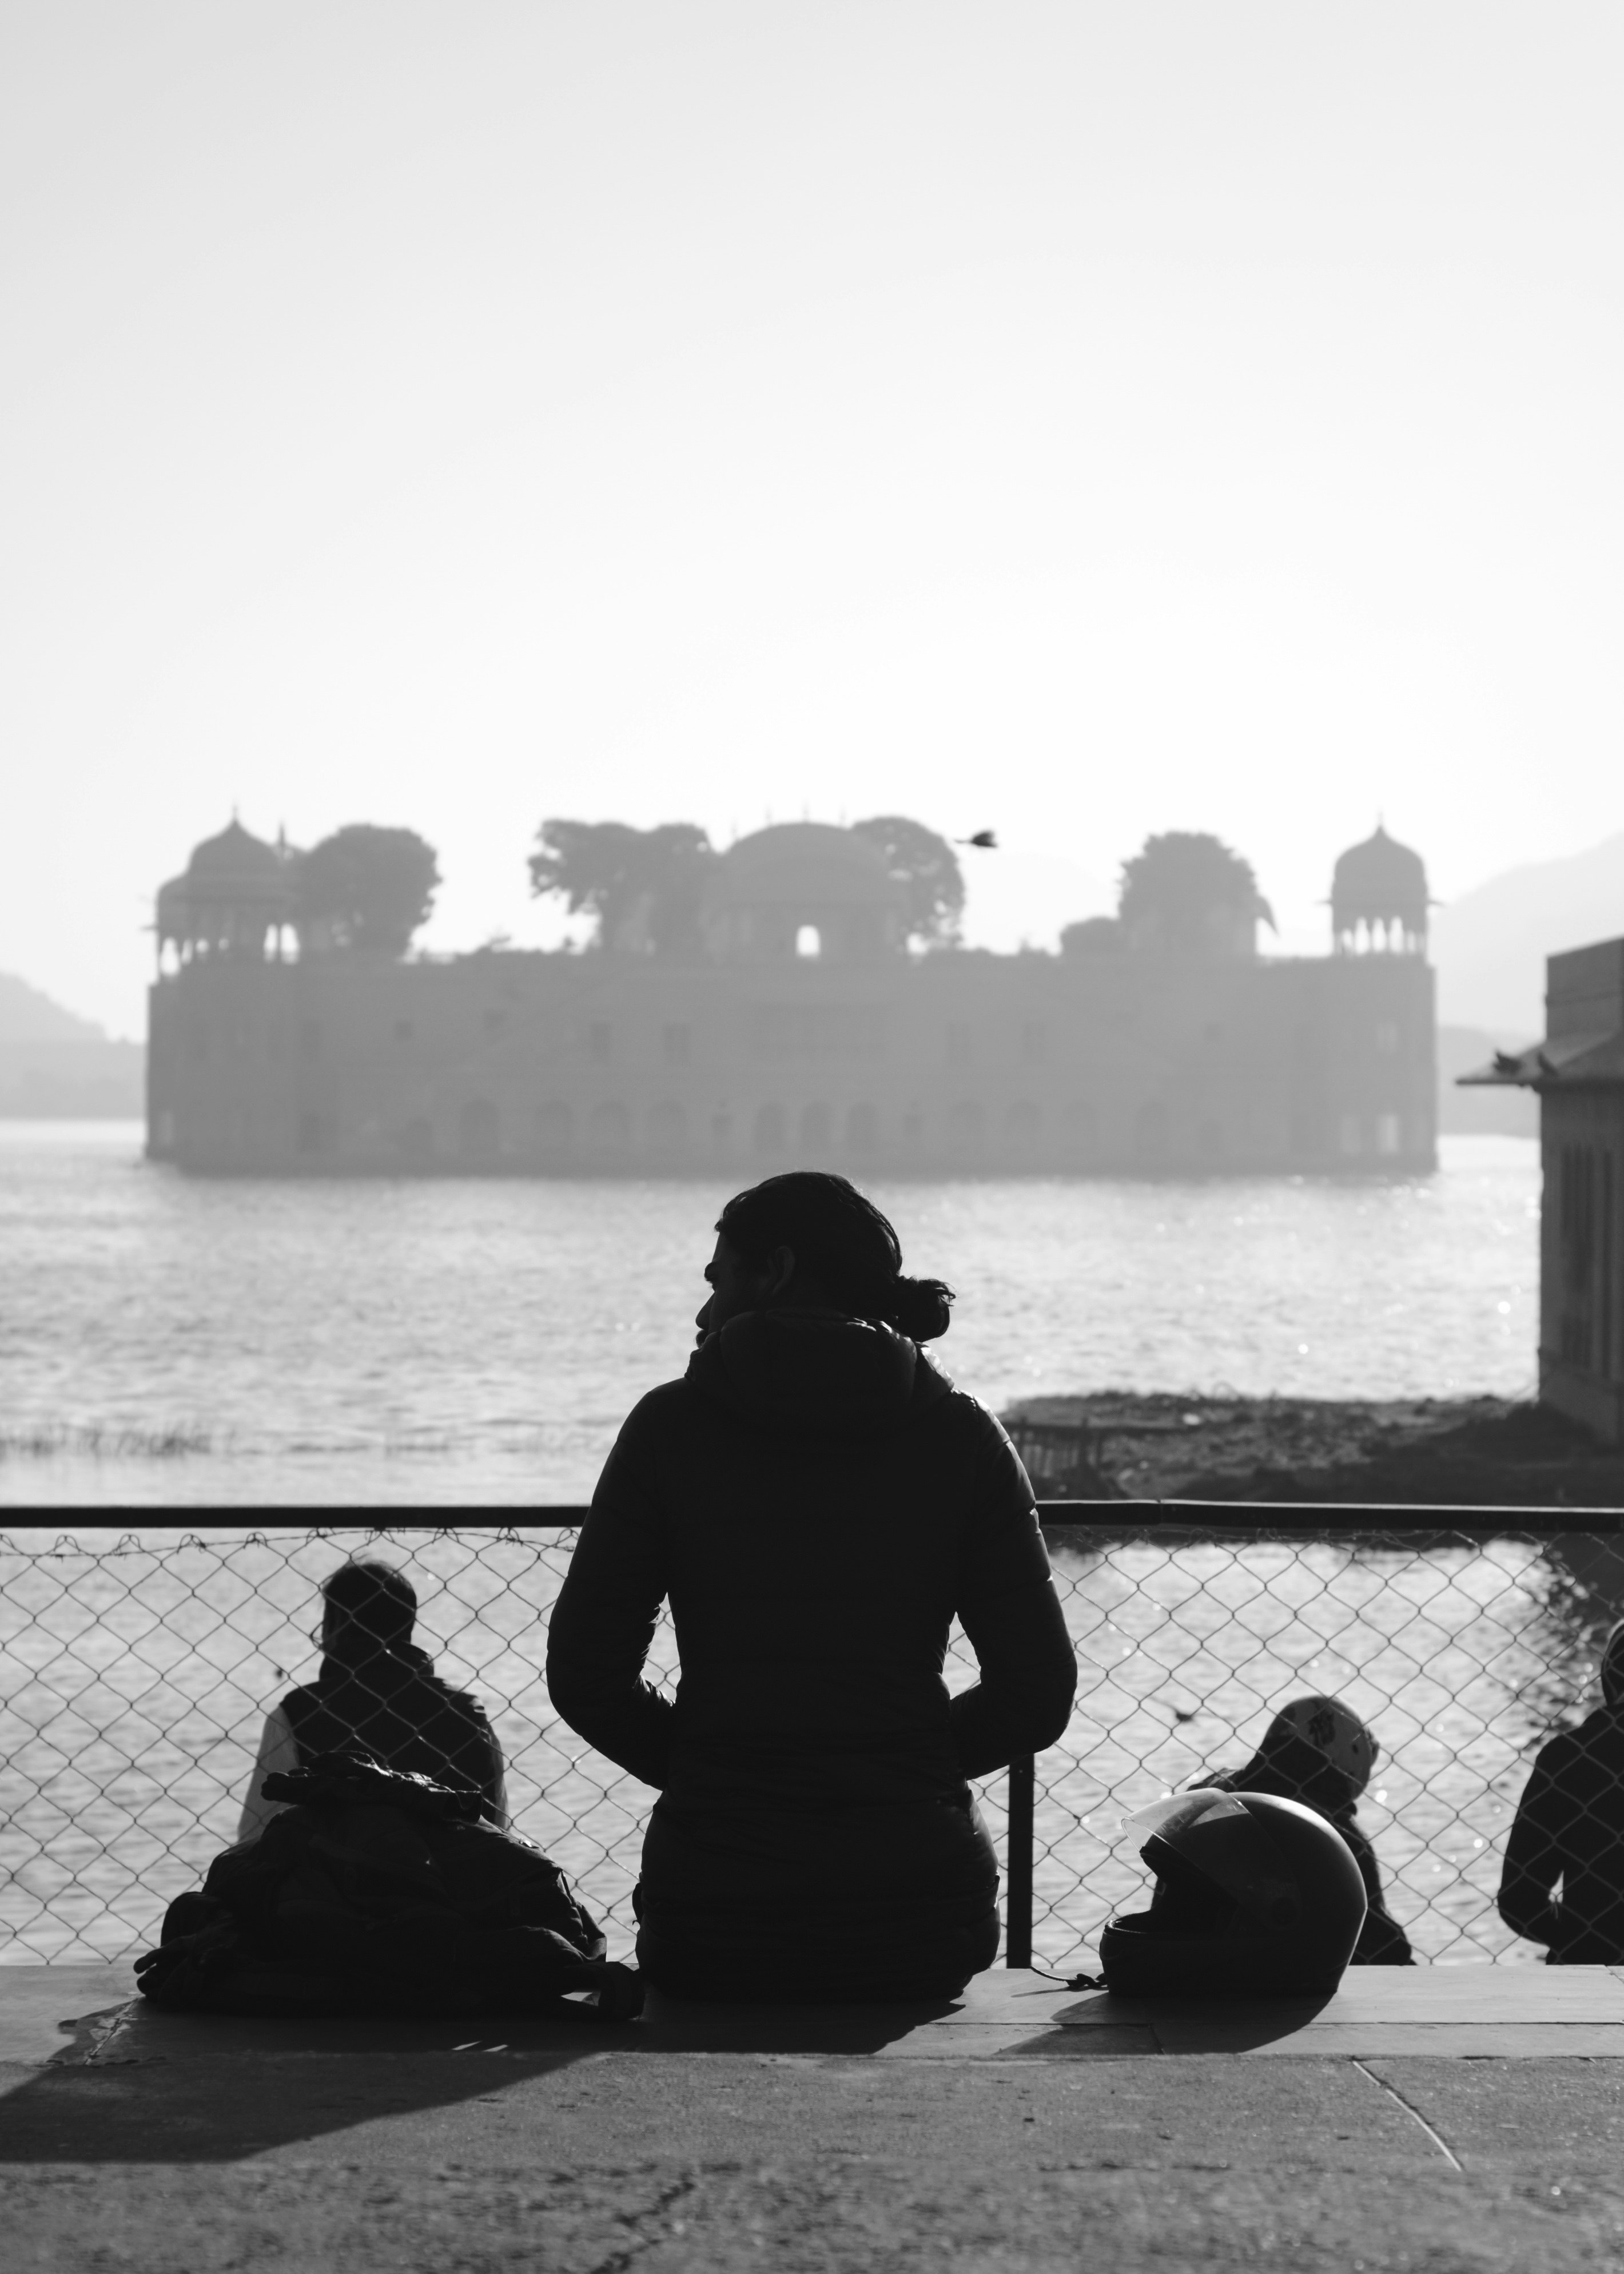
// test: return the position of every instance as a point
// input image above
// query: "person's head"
(1332, 1729)
(1612, 1666)
(366, 1607)
(811, 1239)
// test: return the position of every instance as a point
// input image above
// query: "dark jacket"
(1569, 1827)
(817, 1503)
(396, 1707)
(1292, 1769)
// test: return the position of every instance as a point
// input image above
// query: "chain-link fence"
(136, 1673)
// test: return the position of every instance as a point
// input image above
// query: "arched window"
(1150, 1130)
(555, 1125)
(1080, 1128)
(808, 940)
(476, 1129)
(609, 1127)
(964, 1124)
(667, 1126)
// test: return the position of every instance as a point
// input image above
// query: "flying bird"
(985, 840)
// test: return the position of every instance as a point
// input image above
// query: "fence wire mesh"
(135, 1677)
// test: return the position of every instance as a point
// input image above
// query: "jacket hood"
(817, 1374)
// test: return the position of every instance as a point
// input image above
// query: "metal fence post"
(1017, 1870)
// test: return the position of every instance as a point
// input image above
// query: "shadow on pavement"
(138, 2086)
(1179, 2025)
(672, 2025)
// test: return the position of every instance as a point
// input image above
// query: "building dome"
(1379, 898)
(237, 865)
(237, 890)
(799, 890)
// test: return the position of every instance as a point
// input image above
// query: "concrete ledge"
(1463, 2012)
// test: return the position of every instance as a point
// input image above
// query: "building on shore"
(1577, 1073)
(796, 1027)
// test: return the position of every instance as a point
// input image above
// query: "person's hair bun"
(920, 1308)
(843, 1248)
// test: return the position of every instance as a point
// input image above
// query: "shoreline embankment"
(1464, 1452)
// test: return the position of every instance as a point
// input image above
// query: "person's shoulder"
(1601, 1732)
(960, 1414)
(660, 1429)
(980, 1443)
(461, 1701)
(668, 1406)
(1598, 1735)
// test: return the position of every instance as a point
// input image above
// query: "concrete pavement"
(1024, 2127)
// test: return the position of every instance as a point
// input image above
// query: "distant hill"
(1490, 946)
(27, 1016)
(56, 1066)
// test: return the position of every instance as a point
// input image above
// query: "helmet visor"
(1214, 1834)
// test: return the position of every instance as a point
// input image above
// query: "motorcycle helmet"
(1254, 1896)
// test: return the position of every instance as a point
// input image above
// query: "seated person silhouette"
(378, 1691)
(1563, 1879)
(1317, 1751)
(816, 1503)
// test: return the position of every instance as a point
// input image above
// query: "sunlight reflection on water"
(389, 1342)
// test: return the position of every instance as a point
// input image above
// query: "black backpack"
(378, 1891)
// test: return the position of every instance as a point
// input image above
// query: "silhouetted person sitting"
(1569, 1829)
(377, 1690)
(817, 1503)
(1317, 1751)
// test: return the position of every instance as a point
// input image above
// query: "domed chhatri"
(237, 862)
(1379, 898)
(237, 890)
(802, 889)
(786, 847)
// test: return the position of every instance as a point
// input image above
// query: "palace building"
(797, 1027)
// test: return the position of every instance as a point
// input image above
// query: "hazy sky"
(1080, 420)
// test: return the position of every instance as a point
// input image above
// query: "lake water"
(168, 1341)
(468, 1342)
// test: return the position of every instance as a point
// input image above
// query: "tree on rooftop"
(366, 887)
(927, 868)
(1091, 936)
(1187, 893)
(642, 885)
